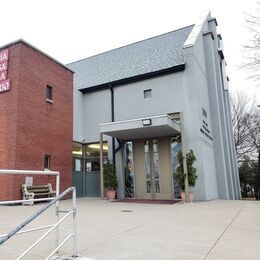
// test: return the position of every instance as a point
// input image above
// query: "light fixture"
(97, 146)
(77, 152)
(147, 122)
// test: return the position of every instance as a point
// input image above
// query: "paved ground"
(205, 230)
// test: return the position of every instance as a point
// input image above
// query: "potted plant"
(110, 181)
(192, 174)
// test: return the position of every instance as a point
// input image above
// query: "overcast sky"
(70, 30)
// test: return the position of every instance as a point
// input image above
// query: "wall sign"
(3, 75)
(4, 55)
(28, 181)
(3, 66)
(205, 127)
(4, 81)
(4, 85)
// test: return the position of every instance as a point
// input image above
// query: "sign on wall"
(4, 85)
(4, 55)
(28, 181)
(205, 126)
(4, 81)
(3, 75)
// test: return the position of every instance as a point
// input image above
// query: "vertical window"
(47, 161)
(156, 166)
(77, 153)
(49, 93)
(93, 156)
(147, 93)
(147, 166)
(129, 171)
(175, 148)
(204, 112)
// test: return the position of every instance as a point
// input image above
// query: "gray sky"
(71, 30)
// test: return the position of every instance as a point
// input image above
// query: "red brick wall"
(8, 123)
(33, 127)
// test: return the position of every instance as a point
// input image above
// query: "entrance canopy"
(141, 128)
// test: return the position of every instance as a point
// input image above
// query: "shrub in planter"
(191, 170)
(110, 181)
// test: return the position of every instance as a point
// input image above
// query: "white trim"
(137, 119)
(46, 172)
(194, 34)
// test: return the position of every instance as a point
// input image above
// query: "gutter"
(113, 120)
(136, 78)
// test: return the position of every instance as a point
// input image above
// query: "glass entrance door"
(152, 166)
(86, 168)
(152, 173)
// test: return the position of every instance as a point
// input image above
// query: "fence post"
(75, 234)
(57, 208)
(101, 167)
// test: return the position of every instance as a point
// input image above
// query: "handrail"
(8, 202)
(39, 212)
(35, 215)
(29, 230)
(61, 244)
(29, 172)
(43, 236)
(34, 172)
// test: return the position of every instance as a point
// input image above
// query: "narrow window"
(147, 93)
(47, 161)
(48, 93)
(77, 153)
(204, 112)
(147, 167)
(156, 166)
(93, 156)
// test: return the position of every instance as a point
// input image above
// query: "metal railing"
(53, 200)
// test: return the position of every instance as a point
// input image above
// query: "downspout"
(113, 120)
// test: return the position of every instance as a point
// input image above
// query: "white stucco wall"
(77, 115)
(97, 110)
(167, 97)
(197, 87)
(197, 97)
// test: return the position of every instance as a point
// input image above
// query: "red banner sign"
(4, 82)
(3, 75)
(4, 55)
(3, 66)
(5, 85)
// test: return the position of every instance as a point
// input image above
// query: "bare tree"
(255, 133)
(246, 124)
(244, 120)
(256, 142)
(252, 48)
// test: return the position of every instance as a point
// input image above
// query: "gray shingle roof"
(151, 55)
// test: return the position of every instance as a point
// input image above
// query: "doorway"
(86, 168)
(153, 168)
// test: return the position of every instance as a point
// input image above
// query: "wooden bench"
(37, 191)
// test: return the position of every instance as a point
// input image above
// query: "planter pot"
(183, 196)
(110, 194)
(190, 197)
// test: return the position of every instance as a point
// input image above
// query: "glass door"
(151, 157)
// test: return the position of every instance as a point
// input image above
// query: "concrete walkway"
(205, 230)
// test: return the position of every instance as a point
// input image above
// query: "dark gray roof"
(147, 56)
